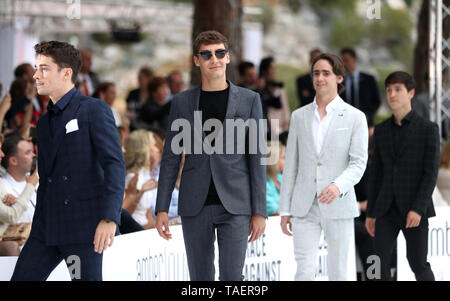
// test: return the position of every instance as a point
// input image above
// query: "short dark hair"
(207, 38)
(336, 64)
(18, 89)
(102, 87)
(147, 71)
(155, 83)
(349, 51)
(264, 65)
(400, 77)
(21, 70)
(64, 54)
(243, 66)
(9, 147)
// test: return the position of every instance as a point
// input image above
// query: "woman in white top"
(443, 180)
(137, 161)
(11, 209)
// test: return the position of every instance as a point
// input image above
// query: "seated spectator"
(138, 97)
(443, 180)
(12, 208)
(137, 161)
(18, 162)
(175, 82)
(274, 177)
(155, 112)
(107, 91)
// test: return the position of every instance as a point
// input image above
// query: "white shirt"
(148, 199)
(16, 188)
(320, 128)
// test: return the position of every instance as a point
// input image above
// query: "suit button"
(66, 202)
(49, 180)
(64, 178)
(315, 181)
(319, 164)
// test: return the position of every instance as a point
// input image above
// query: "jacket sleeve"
(375, 177)
(105, 141)
(431, 168)
(170, 165)
(11, 214)
(255, 165)
(358, 153)
(290, 167)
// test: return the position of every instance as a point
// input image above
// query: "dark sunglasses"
(206, 54)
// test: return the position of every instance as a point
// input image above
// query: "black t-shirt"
(213, 104)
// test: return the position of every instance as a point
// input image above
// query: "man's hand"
(413, 220)
(286, 225)
(149, 185)
(370, 226)
(329, 194)
(9, 200)
(104, 236)
(363, 206)
(162, 225)
(257, 227)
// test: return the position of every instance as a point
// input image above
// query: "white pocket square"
(72, 126)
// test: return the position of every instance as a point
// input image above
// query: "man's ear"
(340, 79)
(196, 62)
(12, 161)
(68, 73)
(228, 57)
(411, 93)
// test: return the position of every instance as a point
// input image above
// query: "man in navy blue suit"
(81, 170)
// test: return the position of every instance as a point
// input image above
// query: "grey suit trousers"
(199, 234)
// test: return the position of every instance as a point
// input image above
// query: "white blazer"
(342, 161)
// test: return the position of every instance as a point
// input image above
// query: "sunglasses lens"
(206, 55)
(220, 54)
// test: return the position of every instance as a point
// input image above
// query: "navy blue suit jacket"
(81, 174)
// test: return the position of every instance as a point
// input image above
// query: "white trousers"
(340, 239)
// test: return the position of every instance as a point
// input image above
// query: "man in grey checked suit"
(220, 191)
(326, 156)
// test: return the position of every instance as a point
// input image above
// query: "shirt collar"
(332, 105)
(62, 103)
(405, 120)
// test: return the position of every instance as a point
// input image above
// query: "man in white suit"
(326, 156)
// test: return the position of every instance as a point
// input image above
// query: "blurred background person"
(87, 77)
(155, 112)
(26, 71)
(274, 176)
(248, 77)
(273, 97)
(138, 97)
(107, 91)
(361, 90)
(175, 82)
(443, 180)
(305, 88)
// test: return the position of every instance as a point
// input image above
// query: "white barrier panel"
(145, 256)
(438, 248)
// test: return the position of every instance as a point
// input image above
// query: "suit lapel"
(338, 116)
(60, 131)
(233, 98)
(44, 138)
(309, 115)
